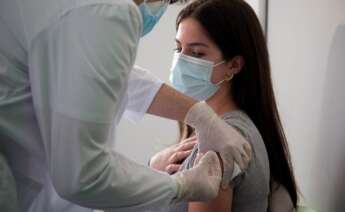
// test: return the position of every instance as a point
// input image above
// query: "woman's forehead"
(191, 31)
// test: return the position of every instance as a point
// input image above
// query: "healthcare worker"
(65, 82)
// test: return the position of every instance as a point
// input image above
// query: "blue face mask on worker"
(151, 13)
(192, 76)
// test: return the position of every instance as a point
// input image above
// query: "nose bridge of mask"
(199, 61)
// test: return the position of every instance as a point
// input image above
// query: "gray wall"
(307, 46)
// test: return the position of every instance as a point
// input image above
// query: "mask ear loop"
(229, 78)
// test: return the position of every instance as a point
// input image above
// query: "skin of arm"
(222, 203)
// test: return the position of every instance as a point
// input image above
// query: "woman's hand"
(169, 160)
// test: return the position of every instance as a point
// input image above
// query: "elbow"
(68, 188)
(72, 187)
(65, 189)
(69, 180)
(67, 194)
(75, 194)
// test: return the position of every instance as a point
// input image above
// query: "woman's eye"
(197, 54)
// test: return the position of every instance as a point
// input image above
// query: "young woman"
(222, 57)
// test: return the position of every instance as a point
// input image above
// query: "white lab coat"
(64, 69)
(8, 192)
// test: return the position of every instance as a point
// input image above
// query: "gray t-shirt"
(251, 188)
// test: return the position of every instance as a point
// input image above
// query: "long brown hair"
(176, 1)
(236, 30)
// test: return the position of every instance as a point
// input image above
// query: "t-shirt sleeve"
(242, 128)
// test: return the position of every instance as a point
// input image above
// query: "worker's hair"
(234, 27)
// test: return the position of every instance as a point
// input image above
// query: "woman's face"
(192, 40)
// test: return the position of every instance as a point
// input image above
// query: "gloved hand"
(169, 159)
(201, 182)
(215, 134)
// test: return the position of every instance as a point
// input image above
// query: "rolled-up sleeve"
(142, 89)
(81, 68)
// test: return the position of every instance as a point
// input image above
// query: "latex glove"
(201, 182)
(169, 159)
(215, 134)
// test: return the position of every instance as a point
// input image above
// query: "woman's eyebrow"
(197, 44)
(192, 44)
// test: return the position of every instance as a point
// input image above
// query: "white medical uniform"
(64, 69)
(8, 192)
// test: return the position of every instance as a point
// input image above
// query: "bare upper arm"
(222, 203)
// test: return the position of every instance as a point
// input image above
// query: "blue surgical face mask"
(151, 13)
(192, 76)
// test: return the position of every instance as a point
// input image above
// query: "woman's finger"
(186, 146)
(179, 156)
(193, 138)
(172, 168)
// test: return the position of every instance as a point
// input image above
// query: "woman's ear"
(235, 65)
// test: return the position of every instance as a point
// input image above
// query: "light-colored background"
(306, 40)
(307, 46)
